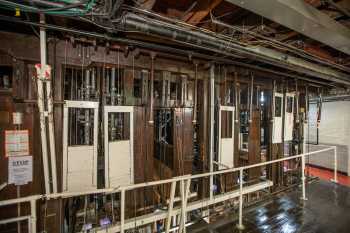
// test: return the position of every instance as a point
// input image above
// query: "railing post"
(240, 225)
(303, 177)
(335, 179)
(122, 210)
(33, 215)
(185, 190)
(170, 207)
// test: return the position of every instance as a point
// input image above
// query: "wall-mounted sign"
(20, 170)
(16, 143)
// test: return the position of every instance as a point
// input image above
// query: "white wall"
(334, 127)
(335, 123)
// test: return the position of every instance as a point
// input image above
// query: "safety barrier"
(184, 182)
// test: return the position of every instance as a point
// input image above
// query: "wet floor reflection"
(326, 211)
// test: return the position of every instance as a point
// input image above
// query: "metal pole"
(170, 207)
(33, 215)
(183, 206)
(303, 177)
(51, 135)
(122, 210)
(212, 106)
(150, 121)
(42, 108)
(251, 98)
(297, 100)
(240, 225)
(335, 180)
(18, 208)
(194, 121)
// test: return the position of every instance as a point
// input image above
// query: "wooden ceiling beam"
(200, 11)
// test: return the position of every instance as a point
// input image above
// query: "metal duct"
(210, 42)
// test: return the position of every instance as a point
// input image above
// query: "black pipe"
(158, 47)
(211, 42)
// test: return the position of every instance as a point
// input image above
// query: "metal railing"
(184, 182)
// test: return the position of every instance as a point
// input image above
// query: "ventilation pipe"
(217, 43)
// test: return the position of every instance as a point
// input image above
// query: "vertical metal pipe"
(153, 55)
(170, 207)
(236, 97)
(194, 121)
(225, 82)
(112, 86)
(87, 84)
(51, 135)
(257, 96)
(41, 106)
(87, 124)
(251, 98)
(297, 100)
(107, 83)
(273, 100)
(33, 215)
(93, 80)
(306, 103)
(240, 225)
(303, 178)
(212, 111)
(18, 208)
(335, 179)
(122, 210)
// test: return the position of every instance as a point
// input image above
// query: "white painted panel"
(288, 118)
(226, 145)
(277, 121)
(227, 152)
(119, 155)
(120, 163)
(81, 170)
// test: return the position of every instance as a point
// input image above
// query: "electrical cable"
(68, 10)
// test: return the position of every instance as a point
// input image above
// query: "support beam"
(200, 11)
(303, 18)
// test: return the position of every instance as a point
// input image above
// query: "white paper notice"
(20, 170)
(16, 143)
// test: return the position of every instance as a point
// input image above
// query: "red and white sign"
(16, 143)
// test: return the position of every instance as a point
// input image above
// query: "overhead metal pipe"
(212, 42)
(164, 48)
(282, 44)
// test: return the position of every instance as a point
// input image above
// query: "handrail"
(181, 179)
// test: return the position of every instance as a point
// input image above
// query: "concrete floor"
(326, 211)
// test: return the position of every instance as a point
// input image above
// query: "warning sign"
(20, 170)
(16, 143)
